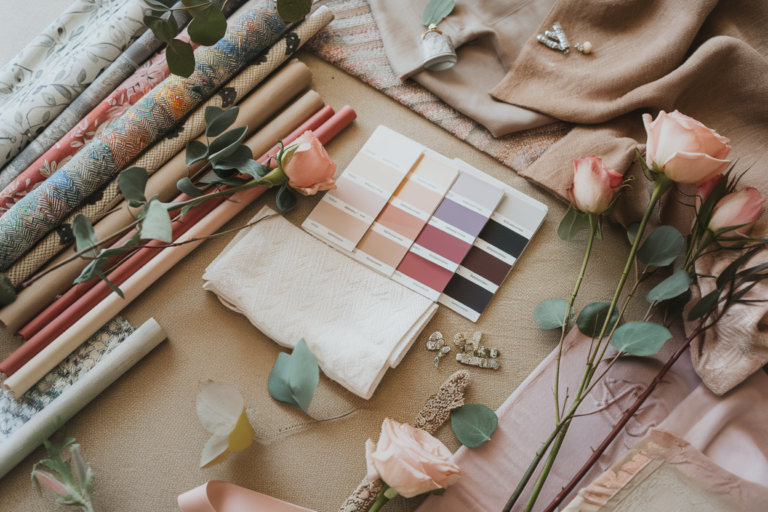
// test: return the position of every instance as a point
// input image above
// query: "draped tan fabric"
(703, 58)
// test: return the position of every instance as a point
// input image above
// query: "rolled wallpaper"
(48, 205)
(216, 496)
(127, 63)
(84, 299)
(15, 413)
(163, 184)
(54, 353)
(59, 64)
(367, 327)
(232, 92)
(24, 440)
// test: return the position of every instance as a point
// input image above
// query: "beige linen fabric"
(706, 59)
(487, 35)
(142, 435)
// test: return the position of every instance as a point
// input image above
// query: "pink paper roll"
(216, 496)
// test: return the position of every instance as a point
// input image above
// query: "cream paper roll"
(43, 424)
(62, 346)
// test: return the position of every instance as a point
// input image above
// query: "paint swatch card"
(496, 249)
(344, 215)
(405, 215)
(448, 236)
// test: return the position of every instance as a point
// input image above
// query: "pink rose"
(594, 185)
(309, 169)
(683, 149)
(705, 188)
(742, 207)
(410, 460)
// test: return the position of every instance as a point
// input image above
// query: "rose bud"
(309, 168)
(742, 207)
(594, 185)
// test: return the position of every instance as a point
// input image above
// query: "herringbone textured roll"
(46, 207)
(175, 141)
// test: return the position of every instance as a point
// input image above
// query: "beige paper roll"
(62, 346)
(265, 101)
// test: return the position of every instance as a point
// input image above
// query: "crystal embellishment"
(437, 344)
(475, 354)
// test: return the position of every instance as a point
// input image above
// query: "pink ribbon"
(216, 496)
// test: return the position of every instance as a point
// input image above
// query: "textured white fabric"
(291, 285)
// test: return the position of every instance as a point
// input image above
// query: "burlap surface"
(142, 435)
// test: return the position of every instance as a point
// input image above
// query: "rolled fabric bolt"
(43, 424)
(100, 290)
(54, 353)
(163, 183)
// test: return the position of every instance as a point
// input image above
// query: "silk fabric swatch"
(59, 64)
(291, 285)
(43, 424)
(216, 496)
(44, 208)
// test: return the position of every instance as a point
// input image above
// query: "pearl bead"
(587, 47)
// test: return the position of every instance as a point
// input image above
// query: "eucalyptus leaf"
(640, 338)
(473, 424)
(91, 270)
(156, 5)
(292, 11)
(676, 306)
(162, 28)
(676, 284)
(705, 304)
(196, 151)
(436, 10)
(185, 185)
(226, 144)
(550, 314)
(592, 317)
(573, 222)
(7, 292)
(84, 235)
(286, 199)
(111, 285)
(109, 253)
(239, 158)
(157, 223)
(132, 183)
(632, 232)
(192, 3)
(208, 26)
(217, 120)
(294, 377)
(180, 58)
(661, 247)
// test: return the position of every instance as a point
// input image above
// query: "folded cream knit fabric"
(291, 285)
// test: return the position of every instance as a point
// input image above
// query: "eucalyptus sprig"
(75, 488)
(208, 27)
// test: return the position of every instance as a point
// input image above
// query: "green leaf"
(109, 253)
(573, 222)
(157, 223)
(111, 285)
(592, 317)
(162, 28)
(640, 338)
(208, 26)
(705, 304)
(661, 247)
(7, 292)
(473, 424)
(239, 158)
(676, 306)
(232, 182)
(191, 3)
(132, 183)
(292, 11)
(733, 267)
(294, 377)
(274, 178)
(180, 58)
(84, 235)
(217, 120)
(632, 232)
(550, 314)
(196, 151)
(185, 185)
(255, 169)
(436, 10)
(676, 284)
(226, 144)
(644, 166)
(157, 5)
(91, 270)
(286, 199)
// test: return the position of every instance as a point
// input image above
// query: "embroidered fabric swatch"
(44, 208)
(282, 280)
(15, 413)
(59, 64)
